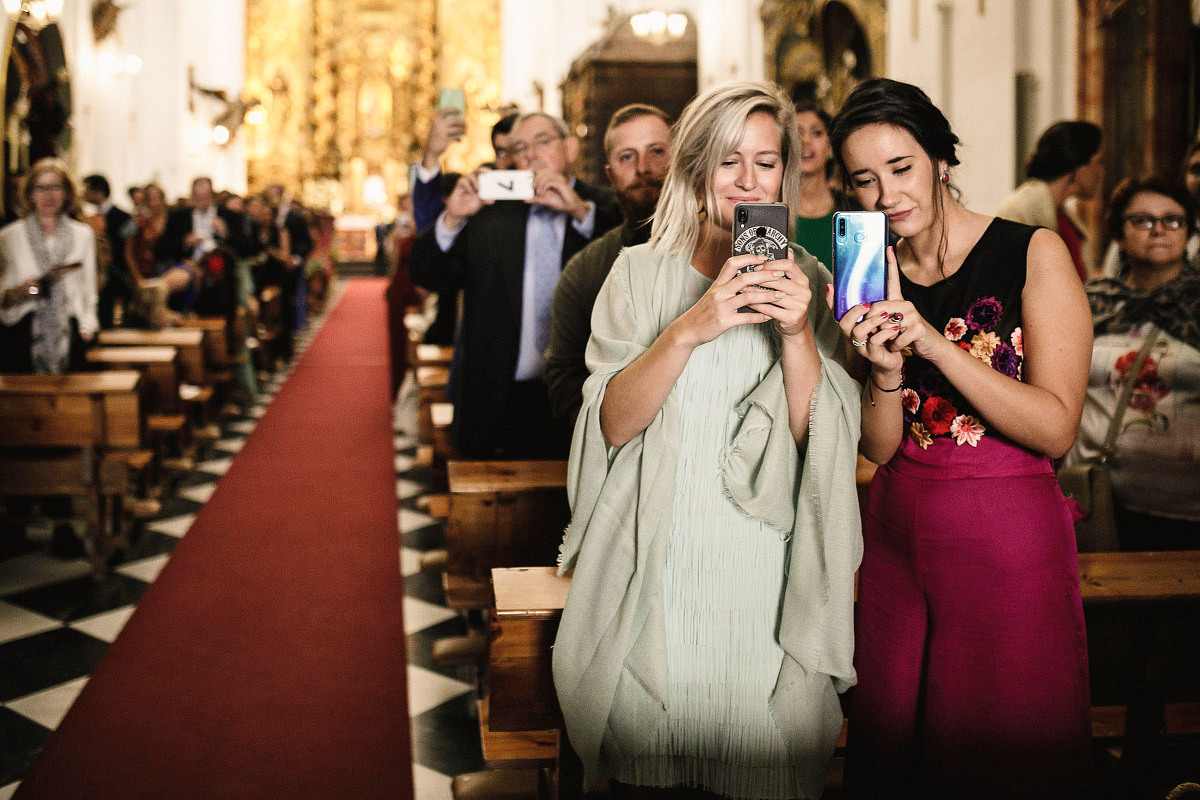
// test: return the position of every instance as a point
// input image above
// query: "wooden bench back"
(504, 514)
(75, 410)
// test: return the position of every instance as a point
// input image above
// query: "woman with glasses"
(715, 530)
(1156, 463)
(48, 290)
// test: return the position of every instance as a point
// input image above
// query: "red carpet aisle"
(268, 659)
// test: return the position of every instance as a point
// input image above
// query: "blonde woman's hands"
(789, 306)
(717, 311)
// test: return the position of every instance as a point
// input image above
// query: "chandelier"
(658, 27)
(36, 14)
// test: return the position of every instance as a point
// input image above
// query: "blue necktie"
(543, 252)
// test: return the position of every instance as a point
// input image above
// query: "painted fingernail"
(895, 327)
(866, 305)
(883, 315)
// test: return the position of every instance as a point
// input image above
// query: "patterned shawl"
(51, 320)
(1174, 307)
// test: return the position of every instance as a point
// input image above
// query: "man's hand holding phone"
(464, 202)
(447, 126)
(553, 190)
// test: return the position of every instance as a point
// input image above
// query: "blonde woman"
(715, 530)
(48, 292)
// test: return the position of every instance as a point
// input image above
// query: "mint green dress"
(722, 583)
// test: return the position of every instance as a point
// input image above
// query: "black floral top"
(979, 309)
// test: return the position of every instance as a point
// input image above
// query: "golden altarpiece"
(348, 86)
(819, 50)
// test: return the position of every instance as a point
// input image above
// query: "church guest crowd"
(728, 602)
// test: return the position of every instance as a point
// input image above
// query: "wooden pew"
(219, 363)
(1143, 686)
(432, 355)
(163, 407)
(189, 342)
(501, 514)
(1143, 629)
(431, 389)
(61, 434)
(196, 388)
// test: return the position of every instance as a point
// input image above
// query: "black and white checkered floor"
(56, 621)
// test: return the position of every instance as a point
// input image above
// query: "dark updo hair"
(1127, 189)
(1065, 146)
(821, 113)
(888, 102)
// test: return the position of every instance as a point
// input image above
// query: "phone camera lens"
(742, 216)
(841, 227)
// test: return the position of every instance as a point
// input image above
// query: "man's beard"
(637, 202)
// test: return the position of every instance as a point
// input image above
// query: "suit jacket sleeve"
(170, 248)
(431, 268)
(427, 201)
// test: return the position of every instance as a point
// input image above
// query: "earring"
(945, 176)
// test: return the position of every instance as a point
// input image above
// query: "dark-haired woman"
(969, 641)
(1065, 163)
(1156, 459)
(816, 202)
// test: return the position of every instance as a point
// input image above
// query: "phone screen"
(859, 259)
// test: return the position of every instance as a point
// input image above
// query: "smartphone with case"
(506, 184)
(452, 98)
(760, 229)
(860, 240)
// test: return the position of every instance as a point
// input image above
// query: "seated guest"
(1065, 163)
(120, 283)
(154, 283)
(271, 264)
(197, 228)
(637, 147)
(48, 293)
(506, 257)
(1156, 463)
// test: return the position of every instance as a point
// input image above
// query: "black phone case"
(761, 229)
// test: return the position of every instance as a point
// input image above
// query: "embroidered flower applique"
(937, 415)
(983, 345)
(920, 435)
(955, 329)
(984, 314)
(929, 405)
(966, 430)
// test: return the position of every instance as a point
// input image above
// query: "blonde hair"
(710, 128)
(70, 205)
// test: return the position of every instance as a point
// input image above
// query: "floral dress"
(970, 645)
(979, 309)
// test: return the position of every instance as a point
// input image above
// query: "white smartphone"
(506, 184)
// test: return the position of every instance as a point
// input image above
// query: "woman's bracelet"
(872, 386)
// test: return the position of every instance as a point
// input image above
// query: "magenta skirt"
(970, 644)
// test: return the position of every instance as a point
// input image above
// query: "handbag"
(1090, 483)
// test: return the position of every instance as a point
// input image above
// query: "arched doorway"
(37, 102)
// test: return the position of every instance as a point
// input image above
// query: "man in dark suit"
(506, 257)
(120, 283)
(194, 230)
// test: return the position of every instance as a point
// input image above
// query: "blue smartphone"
(860, 240)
